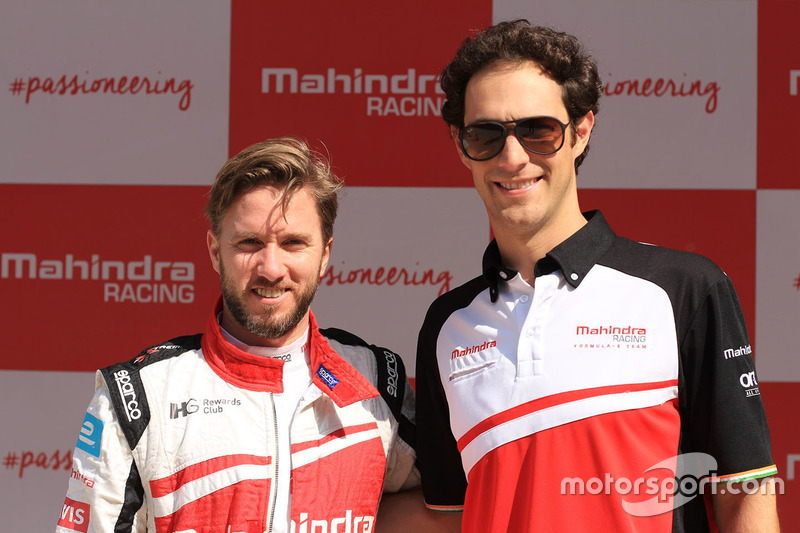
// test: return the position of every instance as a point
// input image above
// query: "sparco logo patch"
(128, 394)
(327, 377)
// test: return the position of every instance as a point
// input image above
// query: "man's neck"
(236, 330)
(522, 250)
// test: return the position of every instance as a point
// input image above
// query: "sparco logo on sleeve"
(128, 394)
(391, 368)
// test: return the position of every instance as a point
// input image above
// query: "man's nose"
(513, 153)
(271, 264)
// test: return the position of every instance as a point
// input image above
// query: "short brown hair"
(286, 163)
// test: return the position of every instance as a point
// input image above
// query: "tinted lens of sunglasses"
(484, 140)
(540, 135)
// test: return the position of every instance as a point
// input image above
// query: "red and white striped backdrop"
(117, 116)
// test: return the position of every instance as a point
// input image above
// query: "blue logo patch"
(91, 434)
(327, 377)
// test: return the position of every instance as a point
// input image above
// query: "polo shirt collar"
(574, 257)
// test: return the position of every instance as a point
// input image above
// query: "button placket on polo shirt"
(532, 349)
(523, 296)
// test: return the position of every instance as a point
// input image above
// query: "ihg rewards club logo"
(143, 281)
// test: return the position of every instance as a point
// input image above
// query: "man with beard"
(265, 422)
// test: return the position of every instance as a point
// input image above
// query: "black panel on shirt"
(438, 459)
(134, 498)
(125, 384)
(717, 415)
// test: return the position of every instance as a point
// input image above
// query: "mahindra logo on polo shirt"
(474, 349)
(618, 333)
(128, 394)
(730, 353)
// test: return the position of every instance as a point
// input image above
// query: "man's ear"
(213, 248)
(583, 130)
(326, 256)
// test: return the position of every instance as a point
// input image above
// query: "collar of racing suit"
(329, 371)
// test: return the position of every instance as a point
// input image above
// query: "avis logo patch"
(74, 515)
(90, 435)
(327, 377)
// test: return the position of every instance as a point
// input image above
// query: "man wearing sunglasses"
(582, 374)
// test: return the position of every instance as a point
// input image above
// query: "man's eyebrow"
(281, 235)
(297, 235)
(245, 235)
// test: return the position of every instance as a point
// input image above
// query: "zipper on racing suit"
(275, 474)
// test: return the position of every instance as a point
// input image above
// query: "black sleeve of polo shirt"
(722, 407)
(443, 481)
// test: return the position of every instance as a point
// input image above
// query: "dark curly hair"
(560, 55)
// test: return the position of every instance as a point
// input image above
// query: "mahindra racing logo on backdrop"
(142, 281)
(404, 94)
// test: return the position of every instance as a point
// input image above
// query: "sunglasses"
(484, 140)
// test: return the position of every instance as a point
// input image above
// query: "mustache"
(267, 284)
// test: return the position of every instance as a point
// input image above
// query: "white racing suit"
(183, 439)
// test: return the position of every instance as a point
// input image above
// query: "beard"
(265, 324)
